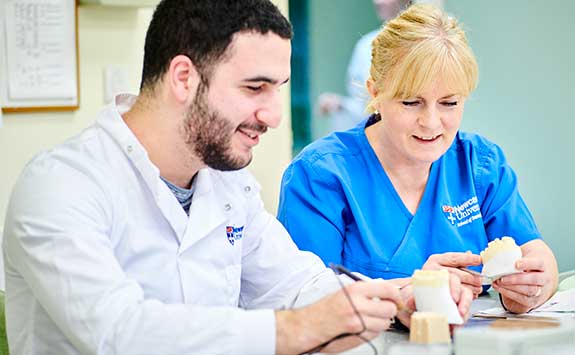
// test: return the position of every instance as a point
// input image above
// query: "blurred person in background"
(347, 111)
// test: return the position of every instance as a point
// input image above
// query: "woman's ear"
(371, 88)
(183, 78)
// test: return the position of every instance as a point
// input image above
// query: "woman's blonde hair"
(417, 47)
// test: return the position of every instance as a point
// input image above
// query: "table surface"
(386, 341)
(396, 342)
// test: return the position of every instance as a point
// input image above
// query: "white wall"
(115, 35)
(2, 277)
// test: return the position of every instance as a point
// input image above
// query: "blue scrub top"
(337, 201)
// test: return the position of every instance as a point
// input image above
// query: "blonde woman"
(405, 189)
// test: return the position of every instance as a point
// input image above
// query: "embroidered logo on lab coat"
(464, 213)
(234, 233)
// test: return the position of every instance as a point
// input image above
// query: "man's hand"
(452, 262)
(535, 284)
(301, 330)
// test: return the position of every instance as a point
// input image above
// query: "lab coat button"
(129, 148)
(247, 189)
(227, 207)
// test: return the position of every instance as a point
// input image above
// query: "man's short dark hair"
(203, 30)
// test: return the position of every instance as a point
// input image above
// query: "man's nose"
(271, 114)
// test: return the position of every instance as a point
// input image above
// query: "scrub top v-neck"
(338, 202)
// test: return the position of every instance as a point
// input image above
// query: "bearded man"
(145, 235)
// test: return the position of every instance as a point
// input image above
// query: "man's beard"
(209, 135)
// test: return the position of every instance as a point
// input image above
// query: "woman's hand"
(461, 294)
(453, 262)
(535, 284)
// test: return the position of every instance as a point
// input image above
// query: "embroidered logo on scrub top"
(463, 213)
(234, 233)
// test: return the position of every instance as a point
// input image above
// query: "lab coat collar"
(205, 213)
(112, 122)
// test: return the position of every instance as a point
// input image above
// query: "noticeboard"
(38, 55)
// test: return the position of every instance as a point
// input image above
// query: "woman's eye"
(450, 103)
(410, 103)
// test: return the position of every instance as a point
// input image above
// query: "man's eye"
(450, 103)
(254, 88)
(410, 103)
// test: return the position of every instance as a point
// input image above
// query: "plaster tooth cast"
(429, 328)
(499, 258)
(431, 292)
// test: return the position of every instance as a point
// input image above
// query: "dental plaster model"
(429, 328)
(431, 292)
(499, 258)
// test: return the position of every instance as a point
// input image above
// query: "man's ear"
(183, 78)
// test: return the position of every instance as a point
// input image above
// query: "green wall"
(335, 26)
(525, 102)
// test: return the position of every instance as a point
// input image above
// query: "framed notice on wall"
(38, 55)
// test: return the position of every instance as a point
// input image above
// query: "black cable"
(344, 335)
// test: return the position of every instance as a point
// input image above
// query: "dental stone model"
(499, 258)
(429, 328)
(431, 292)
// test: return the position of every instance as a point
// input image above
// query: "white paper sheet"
(562, 301)
(560, 306)
(41, 50)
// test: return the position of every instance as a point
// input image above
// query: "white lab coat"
(101, 258)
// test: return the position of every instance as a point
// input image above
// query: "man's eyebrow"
(264, 79)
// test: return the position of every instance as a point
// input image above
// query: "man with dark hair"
(144, 235)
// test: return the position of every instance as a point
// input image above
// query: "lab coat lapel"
(171, 208)
(206, 210)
